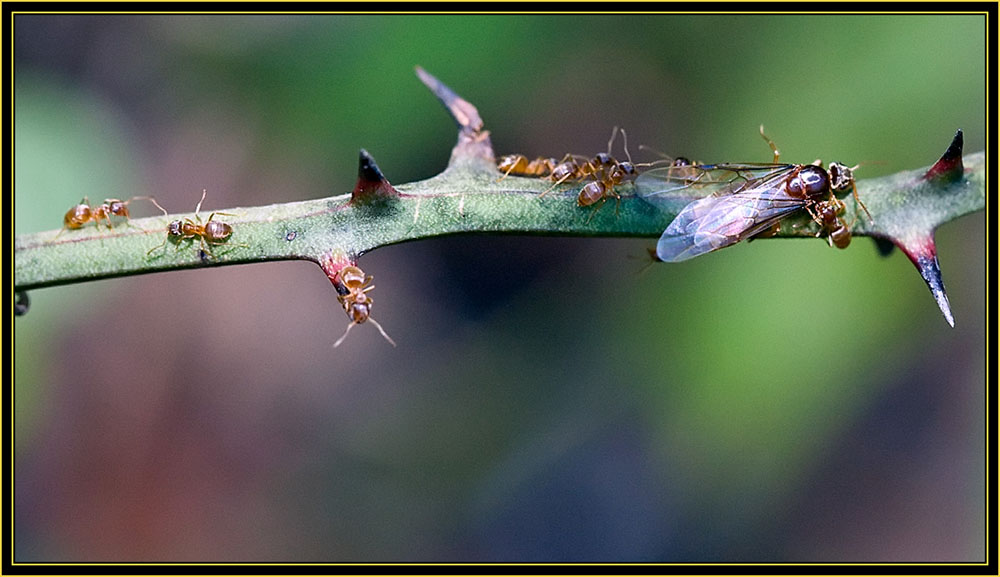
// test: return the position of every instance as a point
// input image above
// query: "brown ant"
(607, 173)
(212, 232)
(827, 214)
(78, 216)
(576, 168)
(352, 292)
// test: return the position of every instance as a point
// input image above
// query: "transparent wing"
(717, 221)
(704, 179)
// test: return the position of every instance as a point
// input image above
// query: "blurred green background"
(778, 401)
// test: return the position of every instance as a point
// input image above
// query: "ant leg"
(197, 208)
(128, 222)
(555, 184)
(217, 212)
(774, 147)
(857, 199)
(596, 208)
(816, 219)
(206, 248)
(150, 251)
(506, 174)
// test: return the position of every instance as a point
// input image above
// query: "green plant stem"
(464, 199)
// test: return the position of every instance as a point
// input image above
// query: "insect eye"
(681, 161)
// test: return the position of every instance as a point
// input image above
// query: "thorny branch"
(468, 196)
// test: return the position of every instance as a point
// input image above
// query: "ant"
(352, 292)
(519, 165)
(607, 173)
(210, 233)
(827, 213)
(78, 216)
(576, 168)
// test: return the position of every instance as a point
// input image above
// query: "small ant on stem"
(607, 174)
(352, 292)
(519, 165)
(212, 232)
(78, 216)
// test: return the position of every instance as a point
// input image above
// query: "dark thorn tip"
(949, 167)
(371, 182)
(930, 270)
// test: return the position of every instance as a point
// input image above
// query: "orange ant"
(519, 165)
(352, 292)
(210, 233)
(78, 216)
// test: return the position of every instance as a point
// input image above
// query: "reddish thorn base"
(371, 183)
(949, 167)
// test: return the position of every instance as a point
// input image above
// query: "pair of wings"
(742, 200)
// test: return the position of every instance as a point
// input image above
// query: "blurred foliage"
(775, 401)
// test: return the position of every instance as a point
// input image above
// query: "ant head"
(625, 171)
(175, 228)
(358, 310)
(841, 177)
(603, 159)
(117, 207)
(828, 212)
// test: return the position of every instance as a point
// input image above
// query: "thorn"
(949, 167)
(474, 146)
(371, 183)
(923, 254)
(464, 113)
(930, 269)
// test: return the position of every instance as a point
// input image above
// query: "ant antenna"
(341, 339)
(153, 200)
(611, 141)
(857, 199)
(381, 330)
(371, 320)
(625, 145)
